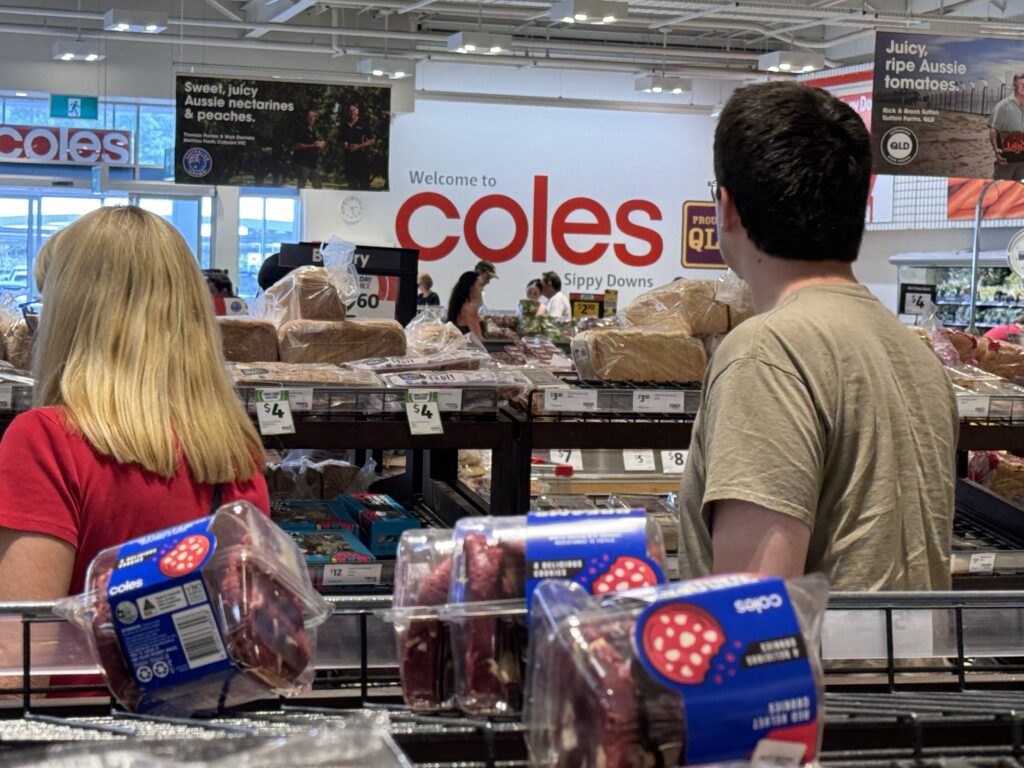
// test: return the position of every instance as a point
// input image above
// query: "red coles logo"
(64, 145)
(631, 220)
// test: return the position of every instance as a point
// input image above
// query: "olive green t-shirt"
(828, 409)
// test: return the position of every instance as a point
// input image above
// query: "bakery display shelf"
(615, 400)
(965, 707)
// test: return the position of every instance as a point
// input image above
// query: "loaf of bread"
(265, 373)
(316, 341)
(639, 354)
(685, 305)
(19, 346)
(246, 340)
(305, 293)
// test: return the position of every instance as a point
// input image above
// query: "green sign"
(77, 107)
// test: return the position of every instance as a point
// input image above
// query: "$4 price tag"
(423, 412)
(274, 412)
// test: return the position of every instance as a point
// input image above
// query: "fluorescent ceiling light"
(21, 94)
(479, 42)
(391, 68)
(588, 11)
(663, 84)
(78, 50)
(790, 61)
(145, 22)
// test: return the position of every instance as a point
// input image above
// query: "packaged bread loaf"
(19, 346)
(253, 374)
(695, 307)
(1002, 473)
(306, 293)
(316, 341)
(639, 354)
(247, 340)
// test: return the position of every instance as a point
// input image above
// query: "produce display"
(247, 629)
(247, 340)
(1000, 295)
(689, 673)
(320, 341)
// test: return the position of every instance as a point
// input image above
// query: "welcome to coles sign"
(594, 195)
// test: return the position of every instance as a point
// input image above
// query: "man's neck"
(773, 279)
(1019, 98)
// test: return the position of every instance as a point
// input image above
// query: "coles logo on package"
(162, 613)
(605, 551)
(734, 652)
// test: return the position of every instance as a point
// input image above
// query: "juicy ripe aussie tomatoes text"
(598, 223)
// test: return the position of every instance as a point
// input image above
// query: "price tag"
(423, 413)
(673, 462)
(982, 562)
(915, 298)
(659, 401)
(274, 412)
(6, 397)
(301, 399)
(570, 400)
(772, 752)
(639, 461)
(448, 400)
(359, 574)
(573, 458)
(972, 406)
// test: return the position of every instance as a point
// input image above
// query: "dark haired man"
(827, 431)
(558, 304)
(306, 146)
(356, 140)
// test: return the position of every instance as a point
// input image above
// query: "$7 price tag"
(423, 413)
(274, 412)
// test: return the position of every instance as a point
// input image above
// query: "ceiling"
(713, 38)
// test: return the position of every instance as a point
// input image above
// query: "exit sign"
(76, 107)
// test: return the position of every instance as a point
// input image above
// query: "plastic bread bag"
(18, 344)
(499, 561)
(661, 510)
(656, 354)
(305, 293)
(696, 672)
(423, 574)
(345, 341)
(1002, 473)
(937, 336)
(429, 333)
(449, 360)
(339, 261)
(199, 617)
(696, 307)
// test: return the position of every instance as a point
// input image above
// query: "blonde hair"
(127, 345)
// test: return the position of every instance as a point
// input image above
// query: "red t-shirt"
(52, 481)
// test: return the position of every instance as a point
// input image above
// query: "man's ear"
(728, 216)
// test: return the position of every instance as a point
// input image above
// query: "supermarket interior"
(554, 384)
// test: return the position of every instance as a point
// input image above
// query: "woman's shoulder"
(48, 419)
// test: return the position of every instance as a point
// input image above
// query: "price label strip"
(659, 401)
(423, 412)
(355, 574)
(573, 457)
(301, 399)
(972, 406)
(448, 400)
(274, 412)
(575, 400)
(673, 462)
(982, 562)
(639, 461)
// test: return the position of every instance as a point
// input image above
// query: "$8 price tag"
(423, 412)
(673, 462)
(274, 412)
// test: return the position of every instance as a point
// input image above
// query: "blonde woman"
(136, 427)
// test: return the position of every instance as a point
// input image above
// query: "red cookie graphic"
(186, 556)
(625, 573)
(680, 641)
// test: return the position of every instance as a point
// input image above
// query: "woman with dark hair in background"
(462, 306)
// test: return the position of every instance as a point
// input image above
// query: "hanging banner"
(948, 106)
(271, 133)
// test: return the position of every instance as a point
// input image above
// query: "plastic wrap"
(429, 333)
(694, 307)
(249, 629)
(423, 574)
(999, 357)
(313, 292)
(639, 354)
(283, 374)
(452, 360)
(694, 672)
(661, 510)
(247, 340)
(317, 474)
(18, 343)
(1002, 473)
(491, 564)
(316, 341)
(501, 327)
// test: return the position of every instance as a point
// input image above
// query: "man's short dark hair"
(1016, 78)
(797, 164)
(552, 279)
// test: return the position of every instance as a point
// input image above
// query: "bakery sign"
(64, 145)
(700, 236)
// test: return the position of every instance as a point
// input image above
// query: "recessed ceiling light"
(790, 61)
(487, 43)
(21, 94)
(127, 20)
(589, 11)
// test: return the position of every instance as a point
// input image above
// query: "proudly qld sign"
(84, 146)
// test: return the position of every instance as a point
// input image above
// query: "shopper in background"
(558, 303)
(486, 271)
(426, 296)
(306, 149)
(219, 284)
(1007, 119)
(356, 142)
(463, 306)
(1009, 332)
(535, 293)
(827, 432)
(136, 426)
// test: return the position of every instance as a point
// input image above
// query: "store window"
(263, 224)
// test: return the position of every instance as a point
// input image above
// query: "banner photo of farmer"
(948, 106)
(271, 133)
